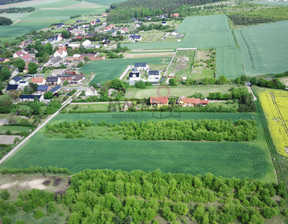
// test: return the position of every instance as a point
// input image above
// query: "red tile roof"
(159, 100)
(194, 101)
(37, 80)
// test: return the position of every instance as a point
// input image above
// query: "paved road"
(69, 100)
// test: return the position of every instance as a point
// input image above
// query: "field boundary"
(179, 49)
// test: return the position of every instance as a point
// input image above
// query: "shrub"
(38, 214)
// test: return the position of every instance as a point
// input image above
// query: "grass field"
(111, 69)
(225, 159)
(13, 129)
(264, 48)
(275, 107)
(175, 91)
(229, 63)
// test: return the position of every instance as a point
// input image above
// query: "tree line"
(17, 10)
(7, 2)
(187, 130)
(123, 12)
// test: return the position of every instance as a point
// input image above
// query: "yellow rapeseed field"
(275, 106)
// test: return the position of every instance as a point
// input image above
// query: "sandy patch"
(8, 139)
(141, 50)
(33, 184)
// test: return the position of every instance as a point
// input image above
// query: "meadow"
(111, 69)
(176, 91)
(220, 158)
(275, 107)
(264, 48)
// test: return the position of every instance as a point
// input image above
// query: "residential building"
(74, 45)
(134, 76)
(31, 97)
(154, 76)
(22, 84)
(87, 44)
(54, 62)
(18, 54)
(11, 87)
(191, 102)
(91, 91)
(41, 89)
(38, 81)
(135, 37)
(141, 66)
(4, 60)
(159, 101)
(55, 89)
(15, 80)
(62, 52)
(53, 80)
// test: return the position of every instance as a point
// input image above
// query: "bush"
(5, 195)
(38, 214)
(20, 221)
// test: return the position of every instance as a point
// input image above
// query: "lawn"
(175, 91)
(264, 48)
(221, 158)
(111, 69)
(14, 129)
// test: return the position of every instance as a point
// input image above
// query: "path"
(250, 91)
(38, 128)
(105, 102)
(125, 72)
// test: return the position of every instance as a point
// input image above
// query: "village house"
(65, 77)
(11, 87)
(159, 101)
(87, 44)
(41, 89)
(138, 25)
(22, 84)
(54, 62)
(52, 80)
(23, 98)
(135, 37)
(57, 72)
(134, 76)
(104, 14)
(54, 39)
(77, 32)
(123, 30)
(25, 43)
(15, 80)
(154, 76)
(61, 52)
(19, 54)
(92, 23)
(60, 25)
(191, 102)
(141, 66)
(38, 81)
(55, 89)
(74, 45)
(91, 91)
(106, 41)
(92, 57)
(175, 15)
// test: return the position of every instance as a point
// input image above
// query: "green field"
(106, 2)
(111, 69)
(13, 129)
(220, 158)
(175, 91)
(264, 48)
(229, 63)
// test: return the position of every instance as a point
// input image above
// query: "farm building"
(159, 101)
(191, 102)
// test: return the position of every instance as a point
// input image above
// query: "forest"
(17, 10)
(5, 21)
(106, 196)
(7, 2)
(123, 12)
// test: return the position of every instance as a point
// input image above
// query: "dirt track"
(150, 55)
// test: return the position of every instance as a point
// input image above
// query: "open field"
(221, 158)
(106, 2)
(229, 63)
(112, 69)
(175, 91)
(275, 107)
(13, 129)
(264, 48)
